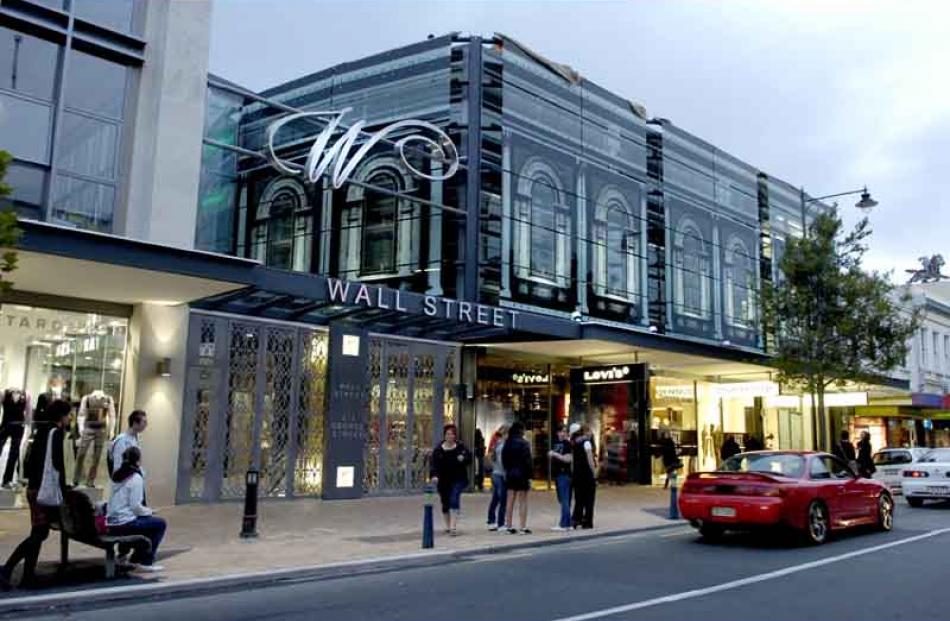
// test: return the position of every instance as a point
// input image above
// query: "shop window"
(739, 275)
(542, 227)
(616, 248)
(283, 225)
(692, 266)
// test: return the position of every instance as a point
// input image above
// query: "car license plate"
(723, 512)
(936, 490)
(891, 471)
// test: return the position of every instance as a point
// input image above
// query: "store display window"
(673, 412)
(46, 354)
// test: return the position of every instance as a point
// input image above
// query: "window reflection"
(692, 265)
(380, 215)
(739, 274)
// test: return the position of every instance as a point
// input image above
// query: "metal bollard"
(428, 528)
(674, 508)
(249, 522)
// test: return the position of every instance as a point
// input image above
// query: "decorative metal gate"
(413, 394)
(254, 398)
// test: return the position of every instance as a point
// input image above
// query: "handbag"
(50, 494)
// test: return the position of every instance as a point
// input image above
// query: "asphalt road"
(667, 575)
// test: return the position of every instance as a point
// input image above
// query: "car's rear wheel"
(711, 532)
(915, 502)
(818, 524)
(885, 512)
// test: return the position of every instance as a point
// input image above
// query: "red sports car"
(812, 493)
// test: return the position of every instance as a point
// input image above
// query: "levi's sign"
(322, 154)
(370, 296)
(607, 374)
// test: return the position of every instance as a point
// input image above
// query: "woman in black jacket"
(57, 417)
(449, 473)
(516, 458)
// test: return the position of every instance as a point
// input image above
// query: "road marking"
(735, 584)
(679, 533)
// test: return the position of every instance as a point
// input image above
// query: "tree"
(9, 231)
(834, 322)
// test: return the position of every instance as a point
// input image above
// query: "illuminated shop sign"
(322, 154)
(529, 378)
(746, 389)
(675, 391)
(370, 296)
(607, 374)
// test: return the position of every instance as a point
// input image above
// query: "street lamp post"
(865, 204)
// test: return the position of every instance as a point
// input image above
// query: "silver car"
(890, 461)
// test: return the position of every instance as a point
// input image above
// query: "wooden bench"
(78, 522)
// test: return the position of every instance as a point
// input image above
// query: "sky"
(831, 95)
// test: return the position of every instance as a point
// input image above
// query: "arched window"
(542, 227)
(693, 270)
(380, 217)
(739, 276)
(616, 247)
(283, 225)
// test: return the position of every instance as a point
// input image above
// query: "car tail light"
(757, 490)
(916, 474)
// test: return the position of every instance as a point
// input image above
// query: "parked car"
(928, 478)
(891, 462)
(812, 493)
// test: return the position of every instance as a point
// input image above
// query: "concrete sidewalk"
(202, 540)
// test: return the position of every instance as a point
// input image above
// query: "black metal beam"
(473, 171)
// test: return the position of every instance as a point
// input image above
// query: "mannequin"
(17, 413)
(53, 392)
(97, 409)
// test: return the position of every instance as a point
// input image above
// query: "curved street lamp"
(865, 203)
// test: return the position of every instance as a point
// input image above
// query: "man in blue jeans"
(561, 458)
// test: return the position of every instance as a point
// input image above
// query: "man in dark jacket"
(844, 449)
(729, 448)
(865, 456)
(41, 517)
(518, 463)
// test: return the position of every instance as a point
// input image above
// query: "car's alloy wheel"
(818, 523)
(885, 512)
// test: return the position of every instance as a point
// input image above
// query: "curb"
(91, 598)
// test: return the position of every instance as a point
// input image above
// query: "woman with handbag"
(46, 481)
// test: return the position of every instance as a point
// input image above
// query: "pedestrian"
(138, 421)
(479, 460)
(729, 448)
(449, 473)
(498, 506)
(517, 461)
(769, 442)
(127, 514)
(584, 476)
(865, 460)
(671, 461)
(562, 455)
(44, 462)
(844, 450)
(752, 443)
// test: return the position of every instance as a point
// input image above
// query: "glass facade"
(62, 113)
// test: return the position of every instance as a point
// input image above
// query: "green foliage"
(834, 322)
(9, 231)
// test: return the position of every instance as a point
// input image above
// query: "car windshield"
(939, 455)
(889, 458)
(785, 464)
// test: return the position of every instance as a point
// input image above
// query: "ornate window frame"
(612, 199)
(534, 171)
(301, 241)
(352, 222)
(686, 268)
(737, 258)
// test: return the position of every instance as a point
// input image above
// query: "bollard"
(674, 508)
(428, 528)
(249, 522)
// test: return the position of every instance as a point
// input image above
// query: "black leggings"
(584, 492)
(29, 552)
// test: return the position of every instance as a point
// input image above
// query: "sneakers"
(559, 529)
(512, 530)
(150, 569)
(493, 527)
(525, 531)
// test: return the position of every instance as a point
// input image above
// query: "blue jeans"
(563, 483)
(451, 496)
(499, 500)
(150, 526)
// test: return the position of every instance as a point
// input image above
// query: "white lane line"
(734, 584)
